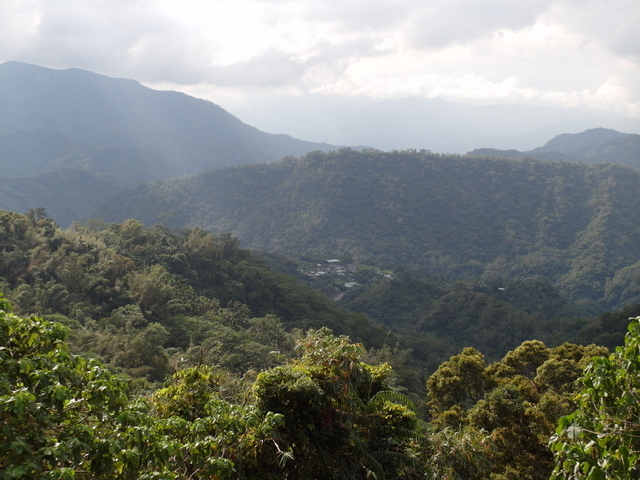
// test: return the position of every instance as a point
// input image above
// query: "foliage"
(340, 417)
(243, 402)
(608, 329)
(513, 403)
(152, 301)
(601, 439)
(455, 454)
(213, 437)
(65, 417)
(58, 411)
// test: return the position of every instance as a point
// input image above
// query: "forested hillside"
(70, 193)
(164, 354)
(29, 153)
(197, 289)
(462, 217)
(129, 293)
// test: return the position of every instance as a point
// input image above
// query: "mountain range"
(79, 144)
(113, 133)
(116, 133)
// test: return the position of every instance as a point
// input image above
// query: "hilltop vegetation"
(461, 217)
(223, 381)
(144, 299)
(192, 295)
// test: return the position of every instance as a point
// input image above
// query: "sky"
(232, 52)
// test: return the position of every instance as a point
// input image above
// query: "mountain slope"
(24, 153)
(192, 135)
(568, 143)
(574, 224)
(67, 193)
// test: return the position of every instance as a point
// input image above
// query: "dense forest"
(462, 217)
(164, 354)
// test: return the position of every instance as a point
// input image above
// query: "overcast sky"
(551, 52)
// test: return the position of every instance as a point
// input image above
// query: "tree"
(457, 385)
(515, 402)
(601, 439)
(64, 417)
(214, 438)
(60, 414)
(341, 419)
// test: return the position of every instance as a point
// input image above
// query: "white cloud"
(614, 24)
(551, 51)
(446, 22)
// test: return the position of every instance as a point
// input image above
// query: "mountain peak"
(571, 142)
(191, 134)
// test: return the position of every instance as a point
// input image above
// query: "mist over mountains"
(433, 124)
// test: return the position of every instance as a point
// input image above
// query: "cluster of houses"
(333, 268)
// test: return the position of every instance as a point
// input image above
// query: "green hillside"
(87, 274)
(461, 217)
(157, 353)
(70, 193)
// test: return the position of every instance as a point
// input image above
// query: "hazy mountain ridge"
(591, 146)
(112, 133)
(459, 216)
(192, 135)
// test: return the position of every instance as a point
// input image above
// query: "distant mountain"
(574, 224)
(422, 123)
(117, 132)
(185, 134)
(569, 143)
(596, 145)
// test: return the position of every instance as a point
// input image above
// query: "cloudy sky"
(550, 52)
